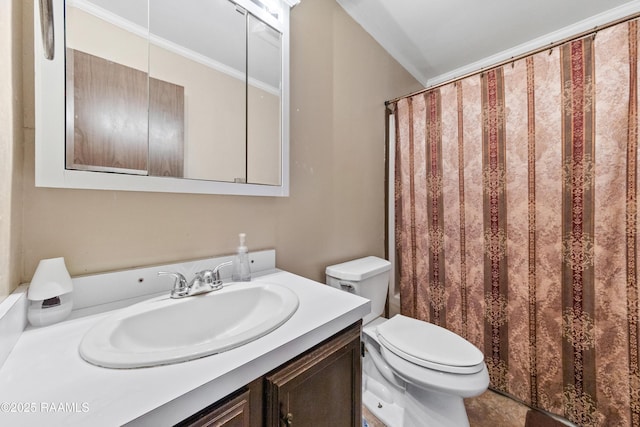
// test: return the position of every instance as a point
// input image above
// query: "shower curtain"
(516, 222)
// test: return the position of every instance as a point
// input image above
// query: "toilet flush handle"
(346, 286)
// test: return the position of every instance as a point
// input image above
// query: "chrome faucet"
(203, 282)
(180, 286)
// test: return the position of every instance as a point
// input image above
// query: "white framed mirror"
(198, 105)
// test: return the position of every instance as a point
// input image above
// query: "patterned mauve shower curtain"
(516, 223)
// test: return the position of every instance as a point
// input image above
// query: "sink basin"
(163, 330)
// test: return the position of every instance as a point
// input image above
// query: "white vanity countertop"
(45, 381)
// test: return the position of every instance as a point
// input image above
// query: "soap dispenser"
(241, 270)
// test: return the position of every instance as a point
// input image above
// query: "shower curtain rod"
(549, 47)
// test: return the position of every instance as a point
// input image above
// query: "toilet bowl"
(415, 374)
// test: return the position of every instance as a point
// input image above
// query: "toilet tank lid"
(359, 269)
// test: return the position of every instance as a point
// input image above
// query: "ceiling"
(437, 40)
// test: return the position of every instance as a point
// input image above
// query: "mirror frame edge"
(50, 110)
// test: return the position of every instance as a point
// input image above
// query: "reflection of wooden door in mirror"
(166, 129)
(106, 115)
(113, 125)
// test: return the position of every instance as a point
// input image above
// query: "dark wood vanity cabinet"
(320, 388)
(240, 409)
(234, 412)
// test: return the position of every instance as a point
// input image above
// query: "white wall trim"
(358, 8)
(109, 17)
(591, 23)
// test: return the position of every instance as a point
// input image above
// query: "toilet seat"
(429, 346)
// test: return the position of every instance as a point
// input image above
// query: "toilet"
(415, 374)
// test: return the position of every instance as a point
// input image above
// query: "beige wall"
(11, 137)
(340, 79)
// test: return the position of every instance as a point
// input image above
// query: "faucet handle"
(216, 273)
(207, 280)
(180, 286)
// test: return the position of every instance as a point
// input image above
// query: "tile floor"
(488, 410)
(492, 409)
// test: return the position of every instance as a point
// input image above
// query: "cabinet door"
(231, 413)
(320, 388)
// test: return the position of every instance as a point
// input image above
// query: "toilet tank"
(367, 277)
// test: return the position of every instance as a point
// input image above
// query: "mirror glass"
(107, 61)
(264, 70)
(189, 89)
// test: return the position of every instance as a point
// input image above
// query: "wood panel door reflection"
(108, 119)
(166, 129)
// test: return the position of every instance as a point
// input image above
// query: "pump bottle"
(241, 269)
